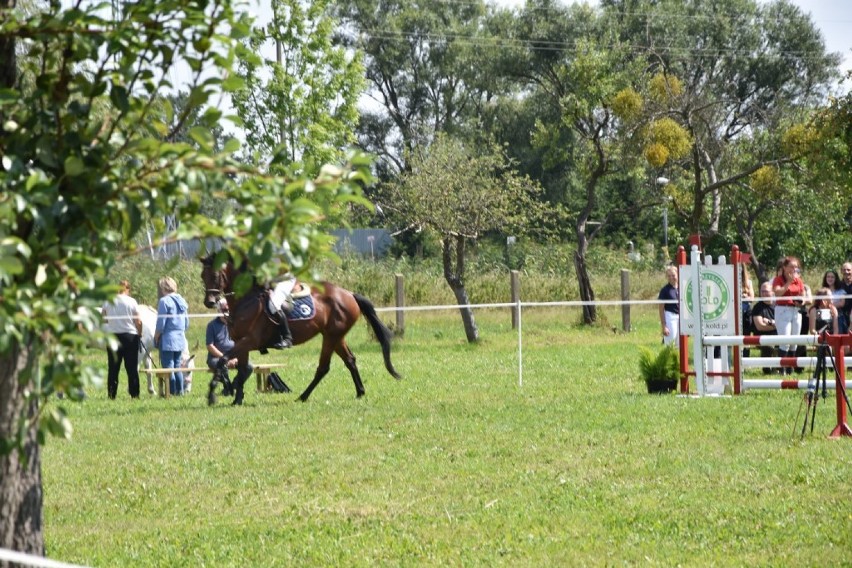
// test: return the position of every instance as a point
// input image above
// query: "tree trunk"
(587, 294)
(20, 469)
(454, 275)
(8, 63)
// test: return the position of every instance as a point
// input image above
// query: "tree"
(424, 60)
(570, 57)
(85, 157)
(742, 71)
(460, 194)
(302, 104)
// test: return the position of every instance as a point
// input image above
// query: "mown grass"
(455, 465)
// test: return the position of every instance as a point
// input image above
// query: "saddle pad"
(303, 308)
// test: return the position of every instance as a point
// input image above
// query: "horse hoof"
(211, 400)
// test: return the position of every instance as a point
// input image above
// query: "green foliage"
(662, 88)
(666, 140)
(660, 366)
(627, 104)
(303, 107)
(89, 154)
(427, 68)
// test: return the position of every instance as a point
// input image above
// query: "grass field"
(455, 465)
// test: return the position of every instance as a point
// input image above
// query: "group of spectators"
(121, 317)
(786, 306)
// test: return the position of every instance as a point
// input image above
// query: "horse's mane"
(210, 258)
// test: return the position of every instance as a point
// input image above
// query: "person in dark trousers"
(763, 320)
(845, 315)
(218, 339)
(122, 319)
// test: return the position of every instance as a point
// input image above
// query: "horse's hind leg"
(322, 369)
(346, 354)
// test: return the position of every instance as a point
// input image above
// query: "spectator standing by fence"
(788, 288)
(170, 334)
(670, 312)
(122, 319)
(846, 285)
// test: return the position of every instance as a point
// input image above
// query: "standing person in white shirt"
(122, 319)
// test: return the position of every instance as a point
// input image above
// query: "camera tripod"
(817, 385)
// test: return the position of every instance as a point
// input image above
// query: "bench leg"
(261, 376)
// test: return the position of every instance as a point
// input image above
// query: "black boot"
(286, 339)
(781, 370)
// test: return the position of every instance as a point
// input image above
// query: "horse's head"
(216, 282)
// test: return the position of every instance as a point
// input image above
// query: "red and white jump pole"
(838, 344)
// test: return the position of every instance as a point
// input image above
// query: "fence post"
(400, 303)
(625, 297)
(515, 285)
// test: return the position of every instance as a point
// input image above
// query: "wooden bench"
(163, 377)
(261, 375)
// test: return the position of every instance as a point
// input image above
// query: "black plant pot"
(661, 386)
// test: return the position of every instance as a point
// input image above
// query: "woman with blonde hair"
(170, 333)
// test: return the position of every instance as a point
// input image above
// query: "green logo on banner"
(715, 296)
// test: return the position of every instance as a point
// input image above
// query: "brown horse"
(252, 328)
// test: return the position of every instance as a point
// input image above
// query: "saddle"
(301, 307)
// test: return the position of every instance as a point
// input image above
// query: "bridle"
(221, 285)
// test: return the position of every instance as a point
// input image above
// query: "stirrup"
(282, 344)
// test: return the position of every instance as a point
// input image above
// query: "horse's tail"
(383, 334)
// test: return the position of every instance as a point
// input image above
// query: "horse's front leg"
(244, 370)
(240, 352)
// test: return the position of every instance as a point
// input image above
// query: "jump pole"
(838, 344)
(683, 340)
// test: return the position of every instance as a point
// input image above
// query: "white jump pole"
(750, 340)
(793, 384)
(757, 362)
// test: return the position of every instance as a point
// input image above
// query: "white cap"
(223, 306)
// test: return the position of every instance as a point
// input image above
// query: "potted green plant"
(660, 370)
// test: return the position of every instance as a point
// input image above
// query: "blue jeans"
(171, 360)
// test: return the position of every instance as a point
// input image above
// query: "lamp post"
(661, 182)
